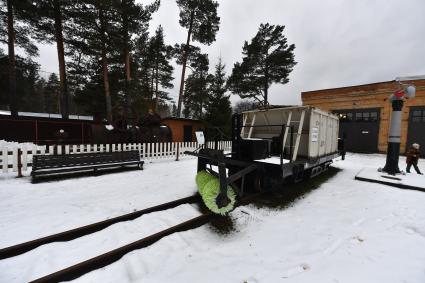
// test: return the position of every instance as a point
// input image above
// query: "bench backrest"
(83, 159)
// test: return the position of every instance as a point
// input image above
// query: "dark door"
(360, 127)
(187, 133)
(416, 129)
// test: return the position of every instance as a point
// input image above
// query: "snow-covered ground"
(343, 231)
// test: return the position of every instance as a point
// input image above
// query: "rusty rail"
(89, 229)
(105, 259)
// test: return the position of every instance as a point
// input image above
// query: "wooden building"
(365, 112)
(182, 129)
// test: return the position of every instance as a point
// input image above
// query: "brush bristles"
(209, 189)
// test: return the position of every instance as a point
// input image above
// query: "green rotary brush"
(202, 178)
(209, 189)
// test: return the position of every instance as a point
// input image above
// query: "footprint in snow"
(296, 270)
(357, 239)
(414, 230)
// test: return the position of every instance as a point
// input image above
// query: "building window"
(345, 116)
(418, 116)
(369, 116)
(360, 116)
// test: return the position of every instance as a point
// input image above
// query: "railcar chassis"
(245, 174)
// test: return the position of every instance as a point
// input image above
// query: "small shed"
(183, 129)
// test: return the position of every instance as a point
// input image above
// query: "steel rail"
(89, 229)
(79, 269)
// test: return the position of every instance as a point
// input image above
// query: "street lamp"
(393, 151)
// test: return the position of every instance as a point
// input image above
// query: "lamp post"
(393, 151)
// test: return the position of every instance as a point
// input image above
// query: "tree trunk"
(152, 83)
(105, 64)
(156, 86)
(61, 58)
(186, 51)
(126, 59)
(12, 63)
(266, 86)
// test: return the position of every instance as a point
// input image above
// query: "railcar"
(271, 147)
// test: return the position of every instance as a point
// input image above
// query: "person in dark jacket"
(412, 158)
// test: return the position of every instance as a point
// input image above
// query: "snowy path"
(344, 231)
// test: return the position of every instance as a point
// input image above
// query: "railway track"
(89, 229)
(79, 269)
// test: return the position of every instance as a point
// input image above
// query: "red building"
(182, 129)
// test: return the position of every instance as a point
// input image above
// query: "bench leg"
(141, 165)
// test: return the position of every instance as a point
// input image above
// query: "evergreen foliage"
(14, 30)
(157, 66)
(218, 108)
(200, 19)
(21, 26)
(111, 66)
(34, 94)
(267, 59)
(196, 91)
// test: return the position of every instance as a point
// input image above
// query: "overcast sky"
(338, 42)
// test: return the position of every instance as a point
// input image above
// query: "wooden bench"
(64, 163)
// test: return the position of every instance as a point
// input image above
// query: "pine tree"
(14, 30)
(51, 94)
(174, 110)
(267, 59)
(244, 105)
(134, 19)
(50, 18)
(93, 35)
(218, 108)
(200, 19)
(196, 92)
(103, 28)
(161, 70)
(27, 75)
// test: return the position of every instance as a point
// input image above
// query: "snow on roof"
(410, 78)
(47, 115)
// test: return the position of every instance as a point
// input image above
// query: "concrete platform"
(411, 181)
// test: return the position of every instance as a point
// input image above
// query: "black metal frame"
(237, 128)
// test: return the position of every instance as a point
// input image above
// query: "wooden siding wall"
(368, 96)
(177, 128)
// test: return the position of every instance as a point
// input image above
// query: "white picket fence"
(10, 155)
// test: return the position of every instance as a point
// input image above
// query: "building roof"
(366, 88)
(46, 115)
(181, 119)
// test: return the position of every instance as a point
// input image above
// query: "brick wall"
(368, 96)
